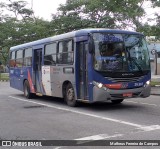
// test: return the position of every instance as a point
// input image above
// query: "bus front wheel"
(26, 89)
(117, 101)
(70, 96)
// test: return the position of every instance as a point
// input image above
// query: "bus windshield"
(120, 53)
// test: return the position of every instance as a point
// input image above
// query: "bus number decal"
(138, 84)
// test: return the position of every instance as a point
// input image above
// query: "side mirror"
(91, 45)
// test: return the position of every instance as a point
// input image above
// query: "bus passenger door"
(37, 70)
(82, 73)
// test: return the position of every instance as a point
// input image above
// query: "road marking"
(142, 127)
(58, 147)
(150, 128)
(99, 137)
(150, 104)
(96, 138)
(82, 113)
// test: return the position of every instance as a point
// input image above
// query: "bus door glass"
(83, 85)
(37, 73)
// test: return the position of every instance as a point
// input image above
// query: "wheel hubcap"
(70, 94)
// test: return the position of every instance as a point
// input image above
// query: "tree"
(19, 10)
(148, 28)
(20, 27)
(98, 13)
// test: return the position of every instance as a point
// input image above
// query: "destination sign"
(107, 37)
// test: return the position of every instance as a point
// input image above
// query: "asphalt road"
(46, 118)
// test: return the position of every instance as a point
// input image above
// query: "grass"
(4, 76)
(154, 83)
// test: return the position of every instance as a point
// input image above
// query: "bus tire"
(117, 101)
(26, 88)
(70, 96)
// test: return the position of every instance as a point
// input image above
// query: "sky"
(44, 8)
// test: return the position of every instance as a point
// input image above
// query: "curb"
(155, 90)
(156, 86)
(4, 80)
(155, 94)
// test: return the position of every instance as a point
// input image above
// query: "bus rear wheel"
(70, 96)
(117, 101)
(27, 92)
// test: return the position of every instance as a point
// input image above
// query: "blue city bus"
(88, 65)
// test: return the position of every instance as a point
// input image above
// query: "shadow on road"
(99, 106)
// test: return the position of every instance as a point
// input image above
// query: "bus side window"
(50, 54)
(28, 57)
(19, 58)
(65, 52)
(12, 59)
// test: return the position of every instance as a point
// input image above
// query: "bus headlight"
(99, 85)
(148, 82)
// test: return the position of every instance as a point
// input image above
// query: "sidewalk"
(155, 90)
(155, 78)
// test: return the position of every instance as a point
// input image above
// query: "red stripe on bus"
(30, 83)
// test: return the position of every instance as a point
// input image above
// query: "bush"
(4, 76)
(154, 83)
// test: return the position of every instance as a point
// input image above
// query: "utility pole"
(156, 62)
(32, 4)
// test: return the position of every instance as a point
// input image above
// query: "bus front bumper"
(110, 94)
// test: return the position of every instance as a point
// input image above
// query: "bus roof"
(77, 33)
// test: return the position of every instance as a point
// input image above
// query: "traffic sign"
(153, 51)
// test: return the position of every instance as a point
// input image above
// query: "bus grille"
(133, 79)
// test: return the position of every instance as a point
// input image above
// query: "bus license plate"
(127, 95)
